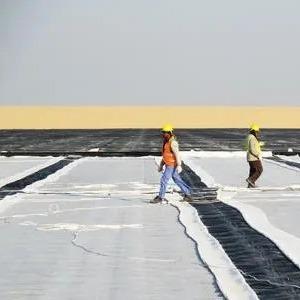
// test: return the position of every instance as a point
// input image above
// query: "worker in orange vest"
(171, 164)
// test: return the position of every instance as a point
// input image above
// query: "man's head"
(167, 131)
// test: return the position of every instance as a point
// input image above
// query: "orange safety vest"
(167, 154)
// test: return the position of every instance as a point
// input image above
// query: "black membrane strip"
(18, 185)
(286, 162)
(60, 140)
(267, 270)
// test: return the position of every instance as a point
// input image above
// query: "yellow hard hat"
(254, 127)
(167, 128)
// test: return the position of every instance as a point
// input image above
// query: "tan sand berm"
(89, 117)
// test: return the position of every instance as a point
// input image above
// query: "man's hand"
(179, 169)
(261, 143)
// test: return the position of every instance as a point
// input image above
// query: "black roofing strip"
(286, 153)
(107, 153)
(13, 187)
(251, 252)
(82, 153)
(191, 178)
(286, 162)
(142, 139)
(265, 268)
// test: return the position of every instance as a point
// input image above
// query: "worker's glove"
(179, 169)
(261, 143)
(160, 168)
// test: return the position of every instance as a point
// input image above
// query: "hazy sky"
(70, 52)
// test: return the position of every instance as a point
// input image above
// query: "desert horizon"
(101, 117)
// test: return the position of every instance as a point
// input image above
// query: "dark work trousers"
(256, 169)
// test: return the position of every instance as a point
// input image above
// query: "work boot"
(251, 184)
(187, 198)
(157, 199)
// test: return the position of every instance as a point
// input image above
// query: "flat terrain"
(78, 228)
(141, 139)
(88, 232)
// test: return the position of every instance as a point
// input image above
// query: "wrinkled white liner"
(79, 227)
(34, 187)
(9, 201)
(30, 171)
(55, 176)
(229, 279)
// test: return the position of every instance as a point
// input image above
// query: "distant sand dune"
(87, 117)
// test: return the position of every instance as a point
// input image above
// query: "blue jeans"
(171, 172)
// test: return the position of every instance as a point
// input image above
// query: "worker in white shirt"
(253, 146)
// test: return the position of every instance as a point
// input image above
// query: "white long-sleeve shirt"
(175, 149)
(253, 148)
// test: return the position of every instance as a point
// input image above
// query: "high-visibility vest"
(167, 154)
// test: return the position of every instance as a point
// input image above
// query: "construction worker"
(253, 155)
(171, 166)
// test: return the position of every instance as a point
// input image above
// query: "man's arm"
(253, 149)
(161, 165)
(175, 150)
